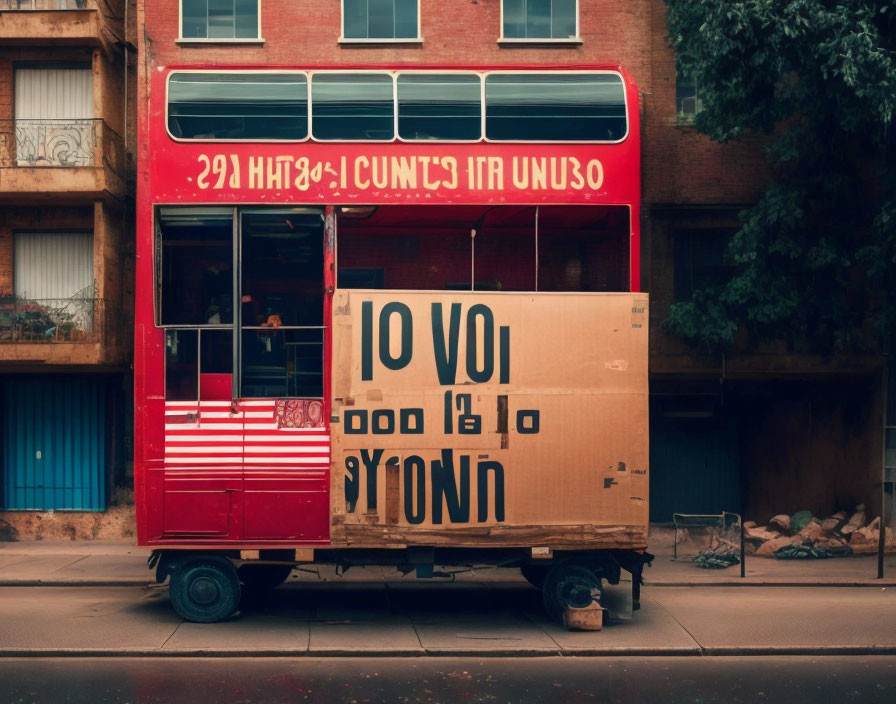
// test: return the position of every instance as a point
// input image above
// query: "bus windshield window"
(238, 106)
(352, 107)
(196, 272)
(530, 107)
(439, 106)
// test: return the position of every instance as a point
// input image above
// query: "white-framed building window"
(556, 20)
(220, 19)
(54, 116)
(380, 20)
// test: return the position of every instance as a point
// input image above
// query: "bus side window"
(196, 278)
(181, 368)
(198, 365)
(216, 365)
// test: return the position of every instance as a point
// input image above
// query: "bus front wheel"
(205, 591)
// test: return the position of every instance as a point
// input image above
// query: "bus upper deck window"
(559, 107)
(196, 266)
(439, 106)
(352, 107)
(238, 106)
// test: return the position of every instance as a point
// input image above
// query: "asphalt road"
(789, 680)
(448, 620)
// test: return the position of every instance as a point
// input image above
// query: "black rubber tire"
(567, 585)
(204, 591)
(535, 574)
(262, 579)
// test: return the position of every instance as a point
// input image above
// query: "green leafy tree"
(814, 260)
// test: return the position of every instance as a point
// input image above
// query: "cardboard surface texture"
(490, 419)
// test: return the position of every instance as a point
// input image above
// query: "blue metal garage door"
(54, 444)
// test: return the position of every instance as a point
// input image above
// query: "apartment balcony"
(60, 160)
(68, 331)
(57, 22)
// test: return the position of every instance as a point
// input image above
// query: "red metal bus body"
(237, 473)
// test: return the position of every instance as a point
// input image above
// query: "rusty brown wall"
(816, 447)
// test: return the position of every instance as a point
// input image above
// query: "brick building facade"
(760, 430)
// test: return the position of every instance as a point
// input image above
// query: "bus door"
(279, 374)
(203, 435)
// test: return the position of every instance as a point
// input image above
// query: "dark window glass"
(194, 20)
(304, 363)
(439, 106)
(282, 302)
(238, 106)
(539, 19)
(514, 19)
(245, 18)
(361, 278)
(891, 395)
(354, 19)
(282, 268)
(406, 19)
(181, 360)
(550, 108)
(890, 458)
(700, 261)
(196, 280)
(563, 19)
(687, 102)
(219, 19)
(352, 107)
(379, 19)
(216, 351)
(278, 363)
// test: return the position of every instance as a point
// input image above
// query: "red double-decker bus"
(390, 315)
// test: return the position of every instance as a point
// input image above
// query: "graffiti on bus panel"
(399, 173)
(446, 479)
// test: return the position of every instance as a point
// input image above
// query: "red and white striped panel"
(208, 432)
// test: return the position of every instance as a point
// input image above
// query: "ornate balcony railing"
(58, 320)
(47, 4)
(62, 143)
(55, 142)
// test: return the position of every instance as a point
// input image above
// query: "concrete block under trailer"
(464, 429)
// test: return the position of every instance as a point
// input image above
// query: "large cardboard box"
(489, 419)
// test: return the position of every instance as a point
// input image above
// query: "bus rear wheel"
(568, 585)
(205, 591)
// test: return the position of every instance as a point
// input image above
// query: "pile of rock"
(844, 528)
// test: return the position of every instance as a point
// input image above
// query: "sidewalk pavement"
(121, 563)
(470, 620)
(484, 613)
